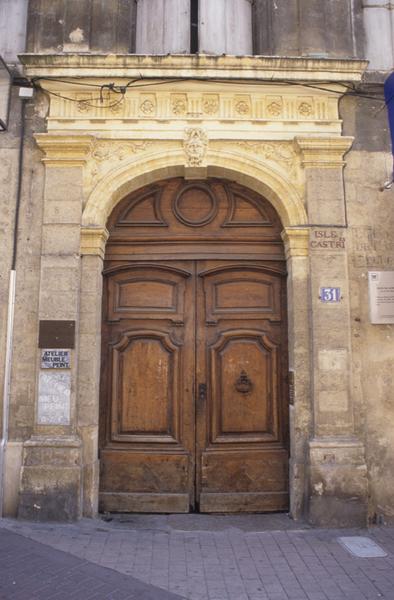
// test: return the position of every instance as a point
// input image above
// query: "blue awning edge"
(389, 98)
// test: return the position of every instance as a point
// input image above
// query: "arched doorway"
(194, 403)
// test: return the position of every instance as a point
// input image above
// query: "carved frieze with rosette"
(177, 106)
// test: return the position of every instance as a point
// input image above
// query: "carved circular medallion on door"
(195, 205)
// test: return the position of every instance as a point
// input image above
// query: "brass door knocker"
(243, 385)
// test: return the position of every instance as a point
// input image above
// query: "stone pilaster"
(92, 253)
(52, 459)
(337, 470)
(296, 240)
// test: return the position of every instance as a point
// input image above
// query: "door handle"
(202, 393)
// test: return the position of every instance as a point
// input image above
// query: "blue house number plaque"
(330, 294)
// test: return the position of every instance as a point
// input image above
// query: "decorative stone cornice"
(296, 240)
(93, 240)
(65, 150)
(323, 151)
(132, 66)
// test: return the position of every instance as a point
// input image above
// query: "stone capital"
(65, 150)
(93, 240)
(323, 152)
(296, 240)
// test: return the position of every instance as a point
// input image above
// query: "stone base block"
(298, 473)
(12, 471)
(51, 480)
(90, 475)
(338, 483)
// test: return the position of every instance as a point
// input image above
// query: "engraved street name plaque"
(55, 359)
(381, 297)
(54, 398)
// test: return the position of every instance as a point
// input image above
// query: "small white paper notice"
(381, 297)
(54, 398)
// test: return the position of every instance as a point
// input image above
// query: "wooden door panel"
(241, 347)
(146, 386)
(143, 481)
(236, 502)
(147, 425)
(243, 388)
(146, 291)
(120, 502)
(247, 471)
(234, 292)
(124, 471)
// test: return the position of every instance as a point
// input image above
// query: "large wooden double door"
(194, 365)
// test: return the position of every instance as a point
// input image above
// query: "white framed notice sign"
(381, 297)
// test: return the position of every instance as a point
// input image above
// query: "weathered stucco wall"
(13, 18)
(22, 387)
(308, 28)
(284, 27)
(81, 26)
(371, 226)
(9, 143)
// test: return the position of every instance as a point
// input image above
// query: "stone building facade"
(273, 108)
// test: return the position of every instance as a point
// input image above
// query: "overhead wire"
(134, 84)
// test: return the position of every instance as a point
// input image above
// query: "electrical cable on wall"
(350, 90)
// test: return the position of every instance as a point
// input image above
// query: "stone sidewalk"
(33, 571)
(200, 557)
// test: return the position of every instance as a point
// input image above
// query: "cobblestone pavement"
(246, 557)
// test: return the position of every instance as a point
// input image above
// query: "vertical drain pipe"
(7, 379)
(24, 95)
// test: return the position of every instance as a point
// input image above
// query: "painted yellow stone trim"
(64, 150)
(222, 161)
(242, 110)
(93, 240)
(237, 102)
(296, 241)
(323, 151)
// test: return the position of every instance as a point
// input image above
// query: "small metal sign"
(56, 334)
(362, 547)
(55, 359)
(330, 294)
(381, 297)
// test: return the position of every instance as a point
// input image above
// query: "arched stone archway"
(298, 178)
(268, 180)
(264, 177)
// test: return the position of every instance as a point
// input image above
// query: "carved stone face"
(195, 146)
